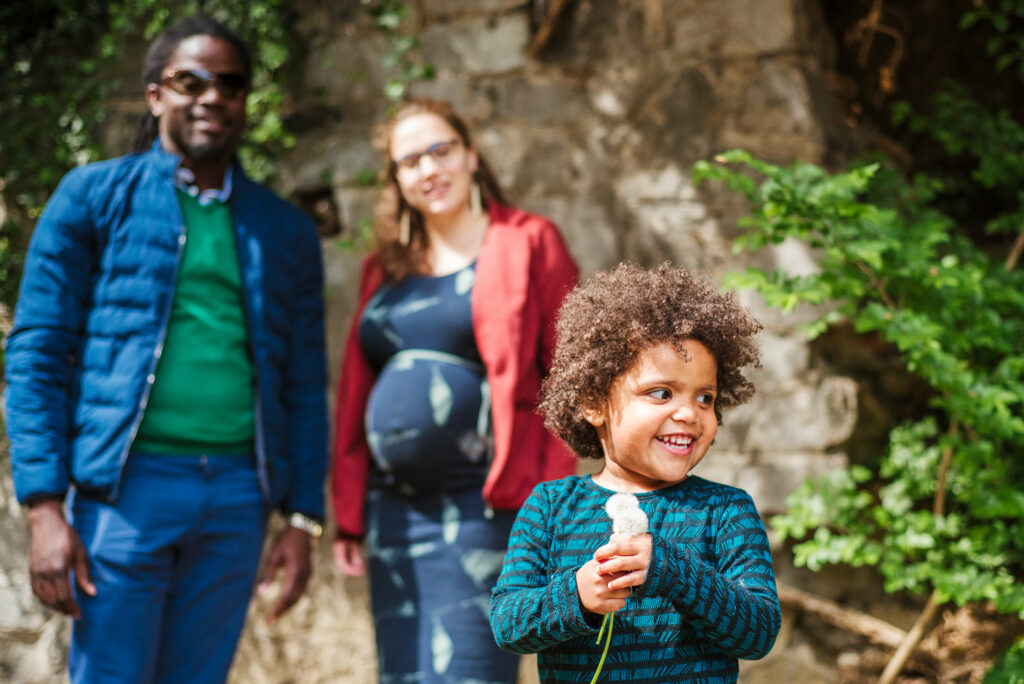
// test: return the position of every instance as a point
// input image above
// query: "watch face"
(308, 525)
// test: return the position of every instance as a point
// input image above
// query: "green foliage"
(943, 507)
(367, 178)
(364, 237)
(52, 52)
(894, 266)
(388, 16)
(993, 142)
(1006, 18)
(1009, 669)
(11, 256)
(59, 57)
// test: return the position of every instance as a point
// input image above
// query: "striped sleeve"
(532, 610)
(732, 601)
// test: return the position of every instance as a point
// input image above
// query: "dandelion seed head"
(618, 504)
(627, 518)
(632, 523)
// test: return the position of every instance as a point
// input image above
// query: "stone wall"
(599, 133)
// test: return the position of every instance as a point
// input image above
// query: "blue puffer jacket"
(92, 315)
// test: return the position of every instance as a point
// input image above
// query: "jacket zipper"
(151, 374)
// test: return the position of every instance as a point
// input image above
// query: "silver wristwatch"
(306, 524)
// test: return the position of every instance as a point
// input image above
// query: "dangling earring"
(475, 204)
(403, 228)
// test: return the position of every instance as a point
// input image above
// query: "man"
(166, 377)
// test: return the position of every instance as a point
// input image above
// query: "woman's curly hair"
(609, 320)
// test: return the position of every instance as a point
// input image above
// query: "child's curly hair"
(608, 321)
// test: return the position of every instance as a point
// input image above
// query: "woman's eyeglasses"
(440, 153)
(195, 82)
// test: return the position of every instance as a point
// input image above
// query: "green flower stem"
(604, 623)
(609, 619)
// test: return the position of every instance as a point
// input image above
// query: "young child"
(646, 361)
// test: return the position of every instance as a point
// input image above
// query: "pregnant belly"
(427, 423)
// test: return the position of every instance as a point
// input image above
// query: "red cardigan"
(523, 272)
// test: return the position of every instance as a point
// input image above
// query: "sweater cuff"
(348, 536)
(572, 616)
(663, 573)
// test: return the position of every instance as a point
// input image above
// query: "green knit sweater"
(202, 399)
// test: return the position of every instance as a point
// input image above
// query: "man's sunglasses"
(195, 82)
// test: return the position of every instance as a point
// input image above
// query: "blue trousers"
(174, 561)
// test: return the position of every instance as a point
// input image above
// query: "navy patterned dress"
(709, 597)
(434, 548)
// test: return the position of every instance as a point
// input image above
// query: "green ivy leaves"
(62, 56)
(892, 265)
(388, 16)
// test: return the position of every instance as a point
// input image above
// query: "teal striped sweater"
(709, 597)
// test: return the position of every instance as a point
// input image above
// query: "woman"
(436, 425)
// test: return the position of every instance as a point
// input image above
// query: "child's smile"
(659, 420)
(675, 442)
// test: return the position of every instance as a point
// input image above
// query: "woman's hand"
(348, 556)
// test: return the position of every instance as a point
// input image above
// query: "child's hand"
(604, 582)
(624, 561)
(592, 586)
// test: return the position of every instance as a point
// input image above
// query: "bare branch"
(854, 621)
(939, 506)
(910, 642)
(543, 34)
(879, 285)
(916, 633)
(1018, 247)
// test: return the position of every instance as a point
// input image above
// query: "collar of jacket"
(167, 164)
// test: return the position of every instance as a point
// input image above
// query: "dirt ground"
(327, 637)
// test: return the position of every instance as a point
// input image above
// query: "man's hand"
(348, 556)
(56, 550)
(291, 552)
